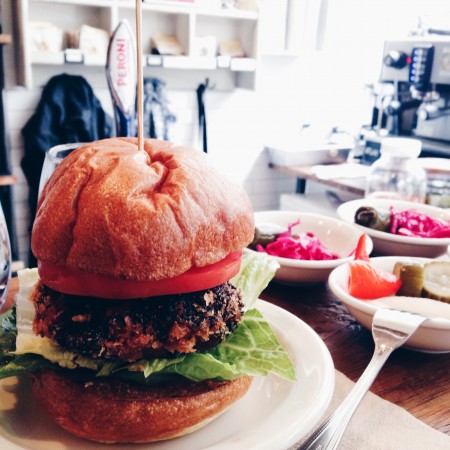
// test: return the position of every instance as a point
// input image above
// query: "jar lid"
(405, 147)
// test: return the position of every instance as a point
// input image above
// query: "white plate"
(387, 244)
(274, 414)
(433, 336)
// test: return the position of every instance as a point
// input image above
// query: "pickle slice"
(436, 281)
(411, 275)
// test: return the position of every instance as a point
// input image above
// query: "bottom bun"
(115, 411)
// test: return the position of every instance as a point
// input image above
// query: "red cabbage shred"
(304, 246)
(417, 224)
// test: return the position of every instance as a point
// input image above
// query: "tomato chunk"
(367, 282)
(361, 251)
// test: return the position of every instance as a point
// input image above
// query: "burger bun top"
(113, 210)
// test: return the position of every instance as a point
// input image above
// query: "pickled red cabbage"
(418, 224)
(304, 246)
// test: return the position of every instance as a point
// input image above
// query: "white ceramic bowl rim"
(309, 263)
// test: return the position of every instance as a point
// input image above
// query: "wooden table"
(417, 382)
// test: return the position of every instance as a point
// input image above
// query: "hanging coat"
(157, 115)
(68, 111)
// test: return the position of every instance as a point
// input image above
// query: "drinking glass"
(52, 158)
(5, 260)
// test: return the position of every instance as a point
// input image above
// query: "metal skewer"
(140, 77)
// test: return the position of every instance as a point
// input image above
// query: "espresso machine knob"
(396, 59)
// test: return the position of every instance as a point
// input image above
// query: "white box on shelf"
(45, 37)
(93, 40)
(73, 55)
(154, 60)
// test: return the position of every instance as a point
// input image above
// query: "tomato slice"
(77, 282)
(367, 282)
(361, 251)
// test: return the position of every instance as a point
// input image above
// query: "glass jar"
(438, 190)
(397, 174)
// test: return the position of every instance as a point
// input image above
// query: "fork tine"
(401, 320)
(394, 327)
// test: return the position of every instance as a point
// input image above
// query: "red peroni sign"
(122, 60)
(121, 68)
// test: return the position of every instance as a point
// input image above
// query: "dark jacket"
(68, 111)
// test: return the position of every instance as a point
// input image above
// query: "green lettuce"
(8, 333)
(256, 271)
(251, 349)
(26, 363)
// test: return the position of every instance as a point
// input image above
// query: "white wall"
(325, 88)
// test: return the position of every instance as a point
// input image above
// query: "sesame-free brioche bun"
(112, 210)
(112, 411)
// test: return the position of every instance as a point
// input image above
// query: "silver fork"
(390, 330)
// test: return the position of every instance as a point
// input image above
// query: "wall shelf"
(189, 23)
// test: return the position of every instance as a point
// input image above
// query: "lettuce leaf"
(257, 269)
(251, 349)
(24, 364)
(255, 350)
(8, 332)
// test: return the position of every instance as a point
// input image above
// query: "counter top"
(353, 184)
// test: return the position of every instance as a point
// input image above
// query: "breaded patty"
(130, 330)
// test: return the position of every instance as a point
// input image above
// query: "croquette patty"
(134, 329)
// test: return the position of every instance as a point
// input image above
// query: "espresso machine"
(413, 96)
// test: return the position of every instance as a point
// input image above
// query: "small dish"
(337, 236)
(386, 244)
(433, 336)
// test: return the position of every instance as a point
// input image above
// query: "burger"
(138, 325)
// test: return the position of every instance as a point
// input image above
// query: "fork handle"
(329, 433)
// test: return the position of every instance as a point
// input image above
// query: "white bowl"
(433, 336)
(337, 236)
(387, 244)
